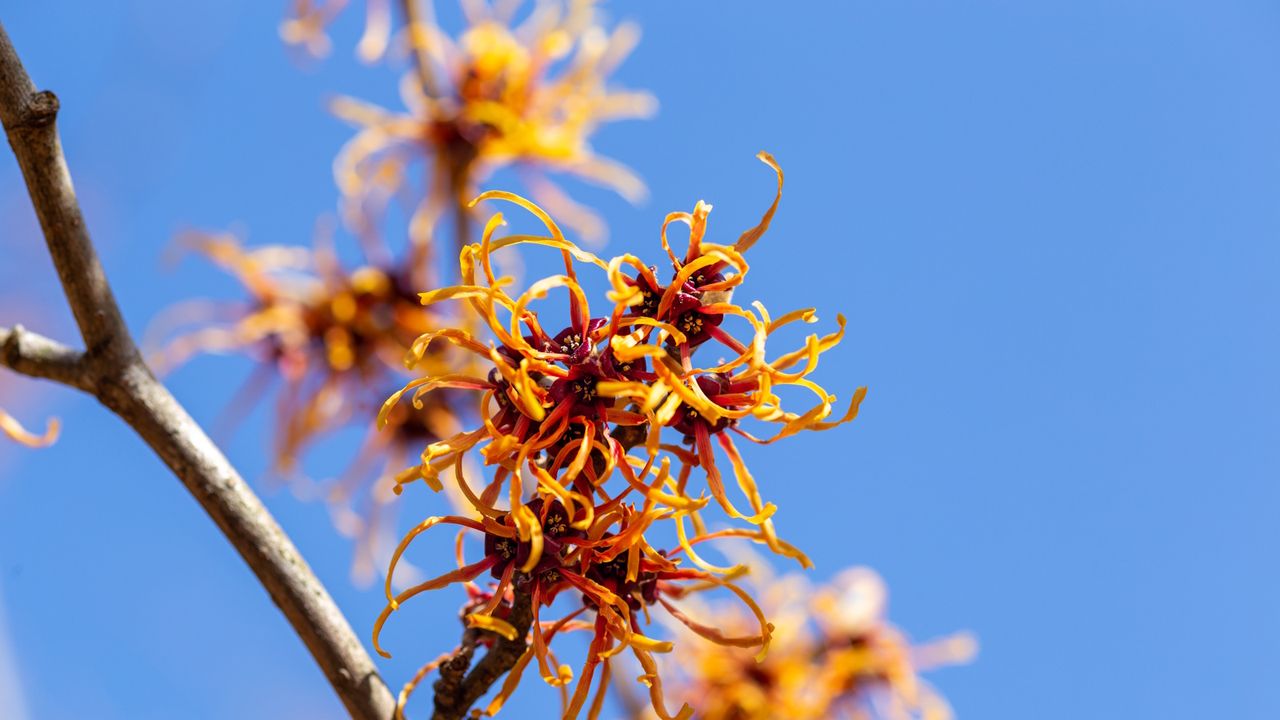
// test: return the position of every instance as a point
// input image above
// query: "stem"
(456, 694)
(461, 225)
(461, 164)
(422, 61)
(36, 356)
(112, 370)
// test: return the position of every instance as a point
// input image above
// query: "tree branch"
(40, 357)
(455, 694)
(113, 371)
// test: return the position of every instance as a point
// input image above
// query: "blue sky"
(1052, 226)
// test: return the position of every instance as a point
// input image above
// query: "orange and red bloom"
(594, 427)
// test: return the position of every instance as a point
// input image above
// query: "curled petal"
(654, 682)
(415, 532)
(492, 624)
(464, 574)
(749, 238)
(14, 430)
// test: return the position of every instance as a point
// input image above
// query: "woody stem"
(455, 694)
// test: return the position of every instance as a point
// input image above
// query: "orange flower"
(528, 95)
(565, 395)
(602, 557)
(573, 423)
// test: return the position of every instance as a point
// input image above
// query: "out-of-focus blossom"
(527, 94)
(594, 432)
(326, 332)
(835, 656)
(333, 338)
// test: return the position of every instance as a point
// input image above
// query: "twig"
(40, 357)
(452, 674)
(455, 695)
(461, 162)
(461, 225)
(112, 370)
(413, 20)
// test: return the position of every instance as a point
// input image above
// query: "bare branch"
(113, 371)
(454, 694)
(452, 674)
(38, 356)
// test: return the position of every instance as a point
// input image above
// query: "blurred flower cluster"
(595, 426)
(527, 95)
(834, 656)
(332, 338)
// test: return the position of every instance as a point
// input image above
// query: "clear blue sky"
(1053, 226)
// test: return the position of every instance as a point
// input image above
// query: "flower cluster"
(527, 94)
(12, 429)
(836, 657)
(333, 338)
(594, 430)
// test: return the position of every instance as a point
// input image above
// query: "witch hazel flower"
(601, 429)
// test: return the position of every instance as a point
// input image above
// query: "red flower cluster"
(577, 425)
